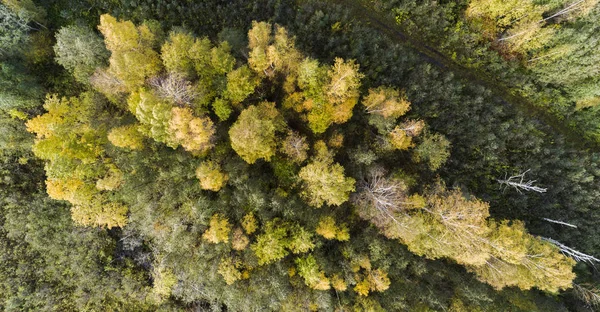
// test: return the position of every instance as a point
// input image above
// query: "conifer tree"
(80, 51)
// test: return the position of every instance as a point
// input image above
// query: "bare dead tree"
(560, 222)
(590, 297)
(107, 83)
(175, 88)
(295, 146)
(576, 255)
(518, 183)
(384, 194)
(412, 127)
(571, 7)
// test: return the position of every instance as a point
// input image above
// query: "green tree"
(278, 239)
(241, 83)
(155, 117)
(271, 245)
(80, 51)
(434, 149)
(313, 276)
(15, 31)
(176, 54)
(327, 94)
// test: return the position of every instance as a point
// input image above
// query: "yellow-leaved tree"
(253, 134)
(77, 169)
(324, 181)
(448, 224)
(133, 58)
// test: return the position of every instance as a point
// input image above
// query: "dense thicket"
(546, 51)
(208, 156)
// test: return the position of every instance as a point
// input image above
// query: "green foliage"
(271, 244)
(278, 239)
(15, 31)
(328, 94)
(154, 116)
(19, 90)
(313, 277)
(241, 83)
(222, 109)
(434, 149)
(177, 54)
(80, 51)
(192, 245)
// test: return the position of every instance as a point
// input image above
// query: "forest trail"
(507, 95)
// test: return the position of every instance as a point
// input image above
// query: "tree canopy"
(282, 156)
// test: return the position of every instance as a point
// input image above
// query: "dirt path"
(438, 59)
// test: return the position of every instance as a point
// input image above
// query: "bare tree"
(175, 88)
(385, 195)
(560, 222)
(107, 83)
(590, 297)
(295, 146)
(412, 127)
(518, 183)
(577, 255)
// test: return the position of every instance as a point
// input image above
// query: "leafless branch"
(568, 9)
(383, 194)
(518, 183)
(577, 255)
(560, 222)
(590, 297)
(175, 88)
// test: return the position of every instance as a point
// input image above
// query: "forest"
(299, 155)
